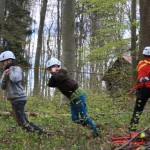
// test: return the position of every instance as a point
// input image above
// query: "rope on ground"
(126, 144)
(33, 114)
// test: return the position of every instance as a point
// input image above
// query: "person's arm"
(3, 81)
(15, 74)
(61, 75)
(51, 82)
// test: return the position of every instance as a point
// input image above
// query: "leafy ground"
(112, 113)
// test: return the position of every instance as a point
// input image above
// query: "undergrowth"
(113, 113)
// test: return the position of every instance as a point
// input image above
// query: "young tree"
(58, 28)
(144, 25)
(39, 47)
(133, 38)
(2, 9)
(15, 27)
(68, 37)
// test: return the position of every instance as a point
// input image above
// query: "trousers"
(142, 96)
(21, 118)
(79, 113)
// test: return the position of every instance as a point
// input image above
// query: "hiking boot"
(41, 132)
(131, 129)
(93, 135)
(98, 126)
(96, 135)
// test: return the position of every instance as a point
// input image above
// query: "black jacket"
(65, 84)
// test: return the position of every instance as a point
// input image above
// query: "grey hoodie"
(12, 84)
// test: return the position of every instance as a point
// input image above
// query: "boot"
(42, 132)
(98, 126)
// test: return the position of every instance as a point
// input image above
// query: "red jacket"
(143, 69)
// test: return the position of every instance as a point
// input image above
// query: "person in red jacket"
(142, 88)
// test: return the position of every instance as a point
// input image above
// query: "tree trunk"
(133, 39)
(144, 25)
(2, 9)
(79, 42)
(58, 29)
(68, 37)
(39, 47)
(93, 44)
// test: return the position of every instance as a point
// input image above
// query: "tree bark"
(58, 29)
(133, 39)
(68, 37)
(2, 9)
(79, 42)
(144, 25)
(39, 47)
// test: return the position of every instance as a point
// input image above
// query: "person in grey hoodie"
(11, 83)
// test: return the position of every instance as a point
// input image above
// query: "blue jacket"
(12, 84)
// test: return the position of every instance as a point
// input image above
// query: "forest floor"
(112, 113)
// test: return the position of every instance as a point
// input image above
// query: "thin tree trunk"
(93, 44)
(133, 39)
(39, 47)
(79, 44)
(68, 37)
(58, 29)
(2, 9)
(144, 25)
(43, 71)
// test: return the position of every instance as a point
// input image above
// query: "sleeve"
(51, 82)
(16, 74)
(3, 82)
(61, 75)
(64, 71)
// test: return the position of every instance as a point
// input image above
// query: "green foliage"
(101, 5)
(16, 28)
(112, 113)
(110, 19)
(118, 76)
(112, 49)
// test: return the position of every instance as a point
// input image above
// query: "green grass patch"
(113, 114)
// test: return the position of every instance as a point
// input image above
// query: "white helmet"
(6, 55)
(146, 51)
(53, 61)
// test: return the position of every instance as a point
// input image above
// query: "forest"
(100, 43)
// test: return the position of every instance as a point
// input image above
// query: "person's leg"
(74, 113)
(18, 108)
(138, 109)
(21, 118)
(36, 127)
(82, 109)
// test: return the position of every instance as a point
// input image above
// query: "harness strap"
(141, 66)
(146, 62)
